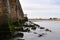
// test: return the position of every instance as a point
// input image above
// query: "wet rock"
(50, 31)
(18, 35)
(22, 29)
(37, 25)
(20, 39)
(40, 35)
(30, 24)
(47, 30)
(35, 32)
(33, 28)
(26, 30)
(19, 29)
(42, 27)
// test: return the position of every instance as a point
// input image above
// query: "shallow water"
(52, 25)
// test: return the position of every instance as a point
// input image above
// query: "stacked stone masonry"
(15, 11)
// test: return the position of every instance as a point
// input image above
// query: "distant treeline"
(45, 19)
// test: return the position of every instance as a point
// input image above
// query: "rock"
(19, 29)
(26, 30)
(30, 24)
(47, 30)
(22, 29)
(35, 33)
(37, 25)
(40, 35)
(50, 31)
(20, 39)
(33, 28)
(41, 27)
(18, 35)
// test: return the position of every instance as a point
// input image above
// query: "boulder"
(33, 28)
(18, 35)
(42, 27)
(47, 30)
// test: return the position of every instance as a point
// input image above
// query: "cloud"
(47, 7)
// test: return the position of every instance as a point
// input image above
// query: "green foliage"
(11, 26)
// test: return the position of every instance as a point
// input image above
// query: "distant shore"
(46, 19)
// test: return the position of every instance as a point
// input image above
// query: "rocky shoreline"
(27, 27)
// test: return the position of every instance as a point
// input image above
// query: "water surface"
(52, 25)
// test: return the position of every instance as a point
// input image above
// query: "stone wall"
(4, 13)
(14, 14)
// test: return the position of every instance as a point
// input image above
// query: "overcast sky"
(41, 8)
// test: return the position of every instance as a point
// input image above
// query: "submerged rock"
(47, 30)
(42, 27)
(40, 35)
(18, 35)
(35, 32)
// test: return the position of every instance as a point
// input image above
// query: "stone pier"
(10, 9)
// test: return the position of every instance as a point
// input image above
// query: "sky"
(41, 8)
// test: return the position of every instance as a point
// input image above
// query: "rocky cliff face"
(10, 9)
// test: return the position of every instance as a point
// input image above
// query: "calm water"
(52, 25)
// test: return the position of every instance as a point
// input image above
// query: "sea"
(52, 25)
